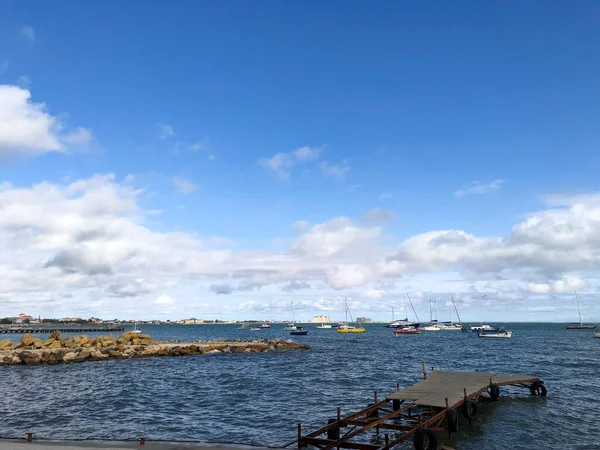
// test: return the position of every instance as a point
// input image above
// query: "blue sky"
(447, 116)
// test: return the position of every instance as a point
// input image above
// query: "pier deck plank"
(442, 385)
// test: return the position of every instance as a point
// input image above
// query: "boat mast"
(437, 311)
(578, 310)
(405, 308)
(455, 309)
(430, 312)
(411, 305)
(293, 317)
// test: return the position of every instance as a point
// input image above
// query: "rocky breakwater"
(57, 349)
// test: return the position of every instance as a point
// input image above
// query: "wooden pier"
(419, 412)
(35, 330)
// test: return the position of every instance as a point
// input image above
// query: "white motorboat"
(597, 334)
(324, 326)
(482, 327)
(431, 328)
(500, 333)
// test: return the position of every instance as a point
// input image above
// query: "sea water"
(259, 398)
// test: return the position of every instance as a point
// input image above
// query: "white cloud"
(338, 171)
(373, 294)
(304, 154)
(479, 187)
(164, 300)
(26, 129)
(165, 131)
(301, 226)
(28, 33)
(91, 239)
(183, 185)
(282, 164)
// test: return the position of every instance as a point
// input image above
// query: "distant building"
(190, 321)
(70, 319)
(364, 319)
(321, 319)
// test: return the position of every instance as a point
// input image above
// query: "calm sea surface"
(259, 398)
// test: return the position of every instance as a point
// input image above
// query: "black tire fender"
(494, 392)
(470, 409)
(452, 419)
(424, 437)
(538, 389)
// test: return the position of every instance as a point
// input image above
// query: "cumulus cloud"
(479, 187)
(27, 129)
(91, 238)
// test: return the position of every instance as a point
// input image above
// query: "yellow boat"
(350, 329)
(345, 328)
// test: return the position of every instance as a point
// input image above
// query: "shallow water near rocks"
(259, 398)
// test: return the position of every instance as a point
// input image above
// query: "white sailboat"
(581, 325)
(135, 328)
(291, 326)
(451, 326)
(433, 325)
(405, 322)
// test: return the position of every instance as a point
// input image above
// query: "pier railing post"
(299, 435)
(339, 413)
(424, 371)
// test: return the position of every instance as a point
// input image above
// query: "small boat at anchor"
(264, 326)
(597, 334)
(406, 330)
(324, 326)
(299, 331)
(345, 327)
(497, 333)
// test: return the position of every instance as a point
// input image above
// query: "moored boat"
(597, 334)
(347, 328)
(406, 330)
(264, 325)
(299, 331)
(498, 333)
(580, 325)
(324, 326)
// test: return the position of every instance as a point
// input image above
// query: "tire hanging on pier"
(494, 392)
(452, 419)
(538, 389)
(425, 439)
(470, 409)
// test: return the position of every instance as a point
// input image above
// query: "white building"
(321, 319)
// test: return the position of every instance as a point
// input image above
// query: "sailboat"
(291, 326)
(405, 322)
(581, 326)
(433, 324)
(135, 328)
(451, 326)
(345, 328)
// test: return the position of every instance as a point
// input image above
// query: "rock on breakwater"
(56, 349)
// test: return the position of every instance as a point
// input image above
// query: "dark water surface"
(259, 397)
